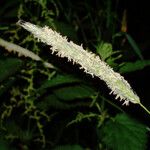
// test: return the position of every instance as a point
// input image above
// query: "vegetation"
(48, 102)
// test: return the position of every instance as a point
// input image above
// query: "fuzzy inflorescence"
(11, 47)
(91, 63)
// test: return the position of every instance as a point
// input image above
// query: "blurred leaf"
(118, 34)
(124, 133)
(66, 30)
(6, 84)
(9, 8)
(124, 22)
(74, 92)
(3, 28)
(59, 80)
(14, 130)
(52, 101)
(8, 67)
(3, 146)
(131, 67)
(134, 46)
(69, 147)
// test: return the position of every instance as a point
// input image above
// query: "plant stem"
(144, 108)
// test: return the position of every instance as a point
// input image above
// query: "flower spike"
(91, 63)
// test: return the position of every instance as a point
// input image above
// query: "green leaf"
(3, 146)
(134, 46)
(8, 67)
(104, 50)
(9, 9)
(124, 133)
(69, 147)
(59, 80)
(16, 131)
(6, 84)
(130, 67)
(116, 35)
(74, 92)
(51, 101)
(66, 29)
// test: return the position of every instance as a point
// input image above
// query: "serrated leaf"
(8, 67)
(130, 67)
(74, 92)
(59, 80)
(124, 133)
(69, 147)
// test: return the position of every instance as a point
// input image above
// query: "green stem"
(144, 108)
(113, 104)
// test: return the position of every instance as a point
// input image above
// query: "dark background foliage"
(62, 107)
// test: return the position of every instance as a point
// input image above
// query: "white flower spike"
(91, 63)
(11, 47)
